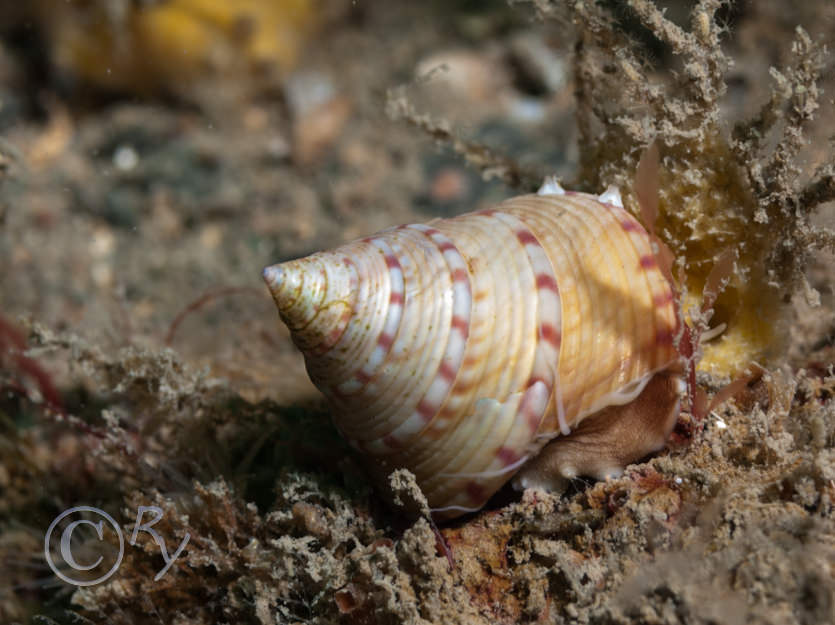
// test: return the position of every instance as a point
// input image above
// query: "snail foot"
(605, 442)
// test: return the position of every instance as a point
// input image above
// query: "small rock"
(319, 114)
(449, 185)
(125, 158)
(463, 74)
(306, 91)
(539, 68)
(102, 242)
(316, 131)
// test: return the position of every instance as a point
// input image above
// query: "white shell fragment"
(551, 186)
(458, 348)
(611, 196)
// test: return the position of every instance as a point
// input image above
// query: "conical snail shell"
(458, 348)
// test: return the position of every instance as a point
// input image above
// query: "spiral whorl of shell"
(457, 349)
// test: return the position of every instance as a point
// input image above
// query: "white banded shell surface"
(458, 348)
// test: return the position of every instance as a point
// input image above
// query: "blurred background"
(157, 151)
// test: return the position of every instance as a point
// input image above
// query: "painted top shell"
(457, 349)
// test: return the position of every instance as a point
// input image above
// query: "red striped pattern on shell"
(457, 348)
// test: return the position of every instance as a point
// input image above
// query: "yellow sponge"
(168, 44)
(707, 207)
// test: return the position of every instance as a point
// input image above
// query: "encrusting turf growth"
(721, 189)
